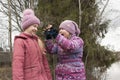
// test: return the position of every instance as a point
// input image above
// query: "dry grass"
(5, 73)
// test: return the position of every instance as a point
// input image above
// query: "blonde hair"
(42, 46)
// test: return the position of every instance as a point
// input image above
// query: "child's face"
(32, 29)
(64, 33)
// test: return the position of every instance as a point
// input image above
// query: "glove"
(51, 33)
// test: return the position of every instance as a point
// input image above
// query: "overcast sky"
(112, 38)
(113, 73)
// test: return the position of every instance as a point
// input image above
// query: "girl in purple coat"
(69, 48)
(29, 60)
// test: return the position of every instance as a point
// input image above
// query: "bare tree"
(13, 9)
(10, 27)
(17, 6)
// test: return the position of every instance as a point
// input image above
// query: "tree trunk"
(79, 14)
(32, 4)
(10, 27)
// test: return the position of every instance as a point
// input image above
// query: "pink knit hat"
(29, 18)
(70, 26)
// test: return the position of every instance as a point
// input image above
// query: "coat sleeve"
(69, 44)
(46, 67)
(51, 47)
(18, 60)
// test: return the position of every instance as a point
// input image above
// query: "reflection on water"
(113, 73)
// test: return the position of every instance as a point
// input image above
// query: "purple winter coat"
(28, 61)
(70, 52)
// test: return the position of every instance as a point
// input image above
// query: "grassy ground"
(5, 73)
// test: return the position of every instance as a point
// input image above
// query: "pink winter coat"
(28, 61)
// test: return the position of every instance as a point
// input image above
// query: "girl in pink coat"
(29, 62)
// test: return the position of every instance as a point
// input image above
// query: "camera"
(51, 33)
